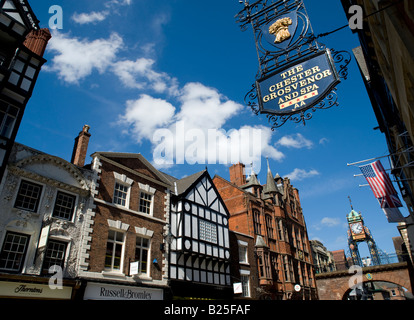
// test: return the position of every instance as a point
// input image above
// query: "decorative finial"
(350, 201)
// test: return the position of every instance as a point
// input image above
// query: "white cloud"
(145, 115)
(296, 141)
(194, 133)
(300, 174)
(76, 58)
(323, 141)
(98, 16)
(112, 3)
(327, 222)
(204, 107)
(85, 18)
(139, 74)
(330, 222)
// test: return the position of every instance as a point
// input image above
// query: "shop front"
(28, 287)
(103, 291)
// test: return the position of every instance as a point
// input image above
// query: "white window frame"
(245, 275)
(38, 207)
(75, 205)
(126, 182)
(116, 190)
(114, 241)
(67, 251)
(147, 234)
(24, 253)
(243, 249)
(146, 189)
(146, 274)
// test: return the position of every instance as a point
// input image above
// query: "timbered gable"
(17, 16)
(200, 250)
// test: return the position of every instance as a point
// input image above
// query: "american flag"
(378, 179)
(383, 190)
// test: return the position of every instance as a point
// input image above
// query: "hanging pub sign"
(296, 72)
(299, 86)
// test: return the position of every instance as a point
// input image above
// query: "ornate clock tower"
(357, 233)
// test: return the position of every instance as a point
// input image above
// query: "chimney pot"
(36, 41)
(86, 128)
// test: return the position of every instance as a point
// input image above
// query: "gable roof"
(109, 157)
(189, 188)
(184, 184)
(231, 184)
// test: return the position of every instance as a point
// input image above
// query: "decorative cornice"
(63, 164)
(34, 176)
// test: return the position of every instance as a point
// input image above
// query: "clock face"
(357, 228)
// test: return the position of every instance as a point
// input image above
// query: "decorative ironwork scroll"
(297, 74)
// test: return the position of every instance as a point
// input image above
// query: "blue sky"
(130, 68)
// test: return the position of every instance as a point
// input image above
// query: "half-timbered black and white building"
(199, 260)
(22, 45)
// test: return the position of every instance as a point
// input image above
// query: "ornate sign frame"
(284, 40)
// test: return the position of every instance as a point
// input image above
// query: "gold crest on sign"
(281, 29)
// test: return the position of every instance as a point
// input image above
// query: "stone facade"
(45, 203)
(336, 285)
(322, 258)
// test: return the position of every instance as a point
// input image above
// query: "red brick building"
(273, 216)
(243, 267)
(123, 247)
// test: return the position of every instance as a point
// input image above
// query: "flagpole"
(406, 166)
(358, 162)
(389, 155)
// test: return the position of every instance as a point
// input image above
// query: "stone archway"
(378, 290)
(335, 285)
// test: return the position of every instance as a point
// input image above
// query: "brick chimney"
(81, 147)
(237, 174)
(36, 41)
